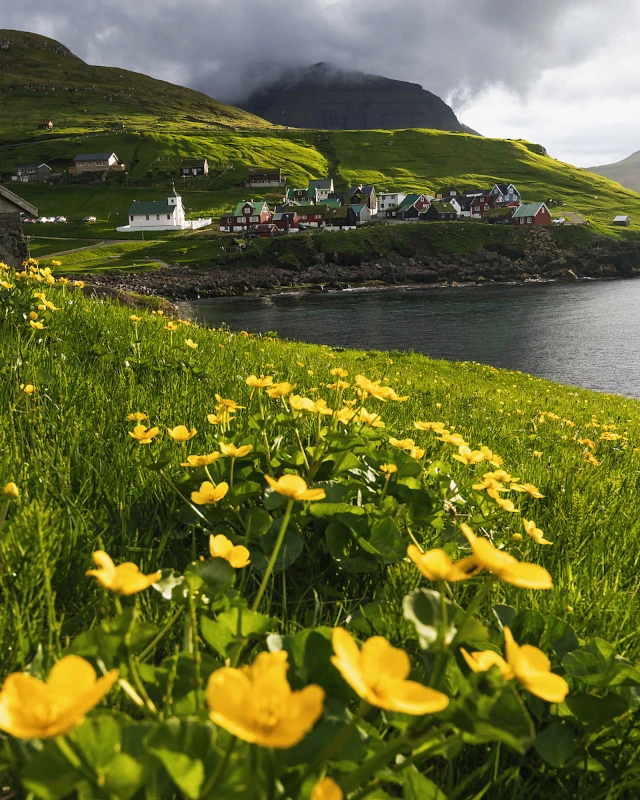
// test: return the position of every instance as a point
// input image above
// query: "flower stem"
(473, 606)
(274, 555)
(217, 774)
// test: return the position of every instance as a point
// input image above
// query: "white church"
(160, 215)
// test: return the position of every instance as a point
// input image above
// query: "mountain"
(324, 97)
(41, 79)
(626, 172)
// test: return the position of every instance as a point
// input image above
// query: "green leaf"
(217, 574)
(387, 539)
(504, 614)
(185, 748)
(245, 491)
(596, 712)
(99, 740)
(423, 609)
(559, 636)
(328, 510)
(49, 775)
(527, 627)
(417, 787)
(106, 640)
(346, 552)
(556, 744)
(291, 550)
(164, 459)
(122, 776)
(257, 522)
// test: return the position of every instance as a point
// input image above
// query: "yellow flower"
(33, 315)
(201, 461)
(144, 435)
(259, 383)
(436, 565)
(236, 452)
(345, 415)
(221, 418)
(592, 459)
(230, 404)
(124, 579)
(533, 669)
(589, 443)
(135, 318)
(256, 703)
(221, 547)
(190, 343)
(535, 533)
(297, 403)
(537, 454)
(280, 389)
(210, 493)
(388, 469)
(467, 456)
(378, 674)
(137, 416)
(28, 388)
(417, 453)
(373, 420)
(37, 325)
(506, 567)
(402, 444)
(295, 487)
(527, 488)
(491, 457)
(339, 385)
(171, 326)
(56, 263)
(320, 407)
(6, 285)
(506, 504)
(11, 490)
(483, 660)
(181, 433)
(337, 372)
(326, 789)
(35, 709)
(517, 537)
(64, 281)
(438, 427)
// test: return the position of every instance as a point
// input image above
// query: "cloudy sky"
(565, 74)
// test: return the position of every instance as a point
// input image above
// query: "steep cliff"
(328, 98)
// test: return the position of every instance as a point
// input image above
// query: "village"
(288, 210)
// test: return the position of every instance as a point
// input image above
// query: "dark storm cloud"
(452, 47)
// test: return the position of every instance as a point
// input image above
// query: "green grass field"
(85, 485)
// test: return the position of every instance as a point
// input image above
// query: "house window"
(147, 218)
(530, 220)
(255, 219)
(131, 219)
(168, 216)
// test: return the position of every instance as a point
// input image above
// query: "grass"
(85, 485)
(40, 247)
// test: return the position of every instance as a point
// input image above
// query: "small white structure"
(390, 199)
(158, 215)
(323, 188)
(622, 219)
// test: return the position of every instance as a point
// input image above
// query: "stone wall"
(13, 248)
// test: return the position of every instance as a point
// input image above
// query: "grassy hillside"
(84, 484)
(626, 172)
(41, 79)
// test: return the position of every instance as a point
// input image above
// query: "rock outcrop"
(326, 98)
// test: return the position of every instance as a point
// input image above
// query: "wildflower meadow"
(235, 567)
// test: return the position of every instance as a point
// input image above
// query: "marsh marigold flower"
(35, 709)
(437, 427)
(259, 383)
(181, 433)
(124, 579)
(135, 318)
(171, 326)
(527, 488)
(506, 567)
(210, 493)
(373, 420)
(230, 404)
(326, 789)
(11, 490)
(144, 435)
(221, 547)
(378, 674)
(37, 325)
(534, 532)
(297, 403)
(280, 390)
(388, 469)
(28, 388)
(137, 416)
(337, 372)
(235, 452)
(417, 453)
(436, 565)
(483, 660)
(256, 702)
(402, 444)
(294, 487)
(468, 456)
(201, 461)
(190, 343)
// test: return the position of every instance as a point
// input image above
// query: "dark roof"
(504, 187)
(34, 166)
(151, 207)
(194, 162)
(321, 184)
(310, 209)
(342, 212)
(94, 156)
(443, 207)
(361, 190)
(18, 201)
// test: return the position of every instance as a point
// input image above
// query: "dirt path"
(94, 246)
(575, 219)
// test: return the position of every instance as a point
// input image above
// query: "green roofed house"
(246, 214)
(532, 214)
(161, 215)
(410, 208)
(194, 168)
(440, 211)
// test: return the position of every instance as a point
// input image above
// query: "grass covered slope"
(75, 480)
(41, 79)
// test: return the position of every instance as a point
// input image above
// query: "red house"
(246, 214)
(312, 216)
(480, 205)
(532, 214)
(286, 221)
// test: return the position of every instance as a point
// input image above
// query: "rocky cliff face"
(324, 97)
(13, 249)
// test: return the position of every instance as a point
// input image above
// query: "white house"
(161, 215)
(323, 188)
(390, 200)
